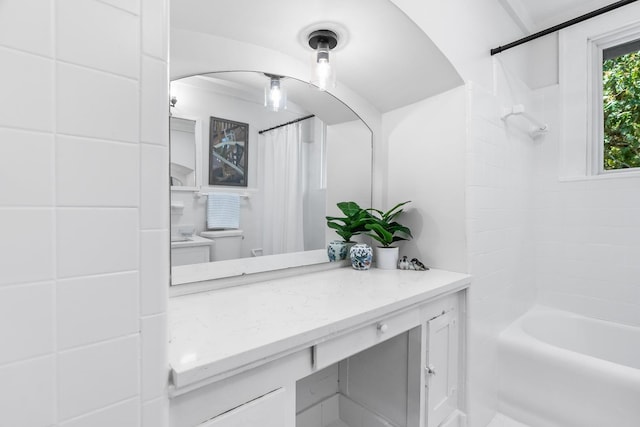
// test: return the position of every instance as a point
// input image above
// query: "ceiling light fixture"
(324, 74)
(275, 96)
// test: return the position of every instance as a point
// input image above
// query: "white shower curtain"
(282, 184)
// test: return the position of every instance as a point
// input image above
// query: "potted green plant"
(383, 227)
(353, 223)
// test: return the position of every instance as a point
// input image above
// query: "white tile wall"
(132, 6)
(155, 413)
(86, 308)
(71, 299)
(96, 173)
(26, 159)
(96, 104)
(26, 81)
(114, 365)
(154, 75)
(27, 25)
(27, 245)
(26, 321)
(111, 38)
(154, 195)
(96, 240)
(154, 247)
(154, 34)
(588, 236)
(154, 373)
(125, 414)
(500, 164)
(28, 396)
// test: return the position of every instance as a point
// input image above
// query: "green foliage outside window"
(621, 100)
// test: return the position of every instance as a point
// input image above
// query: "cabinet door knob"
(430, 369)
(382, 327)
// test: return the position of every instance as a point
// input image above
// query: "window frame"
(595, 154)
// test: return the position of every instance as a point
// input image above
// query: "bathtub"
(559, 369)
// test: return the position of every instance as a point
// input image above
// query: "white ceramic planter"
(387, 258)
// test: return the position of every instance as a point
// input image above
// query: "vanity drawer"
(343, 346)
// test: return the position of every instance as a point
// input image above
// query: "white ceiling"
(382, 55)
(537, 15)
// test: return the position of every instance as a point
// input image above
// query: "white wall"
(587, 234)
(427, 166)
(83, 213)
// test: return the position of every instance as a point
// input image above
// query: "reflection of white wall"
(313, 147)
(183, 150)
(349, 174)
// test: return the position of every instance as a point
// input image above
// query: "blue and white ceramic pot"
(338, 250)
(361, 256)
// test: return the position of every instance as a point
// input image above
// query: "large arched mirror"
(251, 186)
(384, 62)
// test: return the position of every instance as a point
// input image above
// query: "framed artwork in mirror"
(228, 152)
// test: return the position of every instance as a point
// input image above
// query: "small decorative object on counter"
(361, 255)
(414, 264)
(403, 263)
(338, 250)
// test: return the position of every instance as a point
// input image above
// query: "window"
(621, 106)
(599, 90)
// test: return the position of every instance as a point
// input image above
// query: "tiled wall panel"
(78, 348)
(588, 236)
(499, 168)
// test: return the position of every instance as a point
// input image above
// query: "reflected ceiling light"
(324, 74)
(275, 96)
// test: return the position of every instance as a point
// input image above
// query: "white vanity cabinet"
(341, 348)
(194, 250)
(266, 411)
(442, 368)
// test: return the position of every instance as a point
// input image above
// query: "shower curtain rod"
(565, 24)
(288, 123)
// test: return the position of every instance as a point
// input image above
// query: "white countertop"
(226, 329)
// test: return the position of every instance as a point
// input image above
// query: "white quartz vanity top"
(227, 329)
